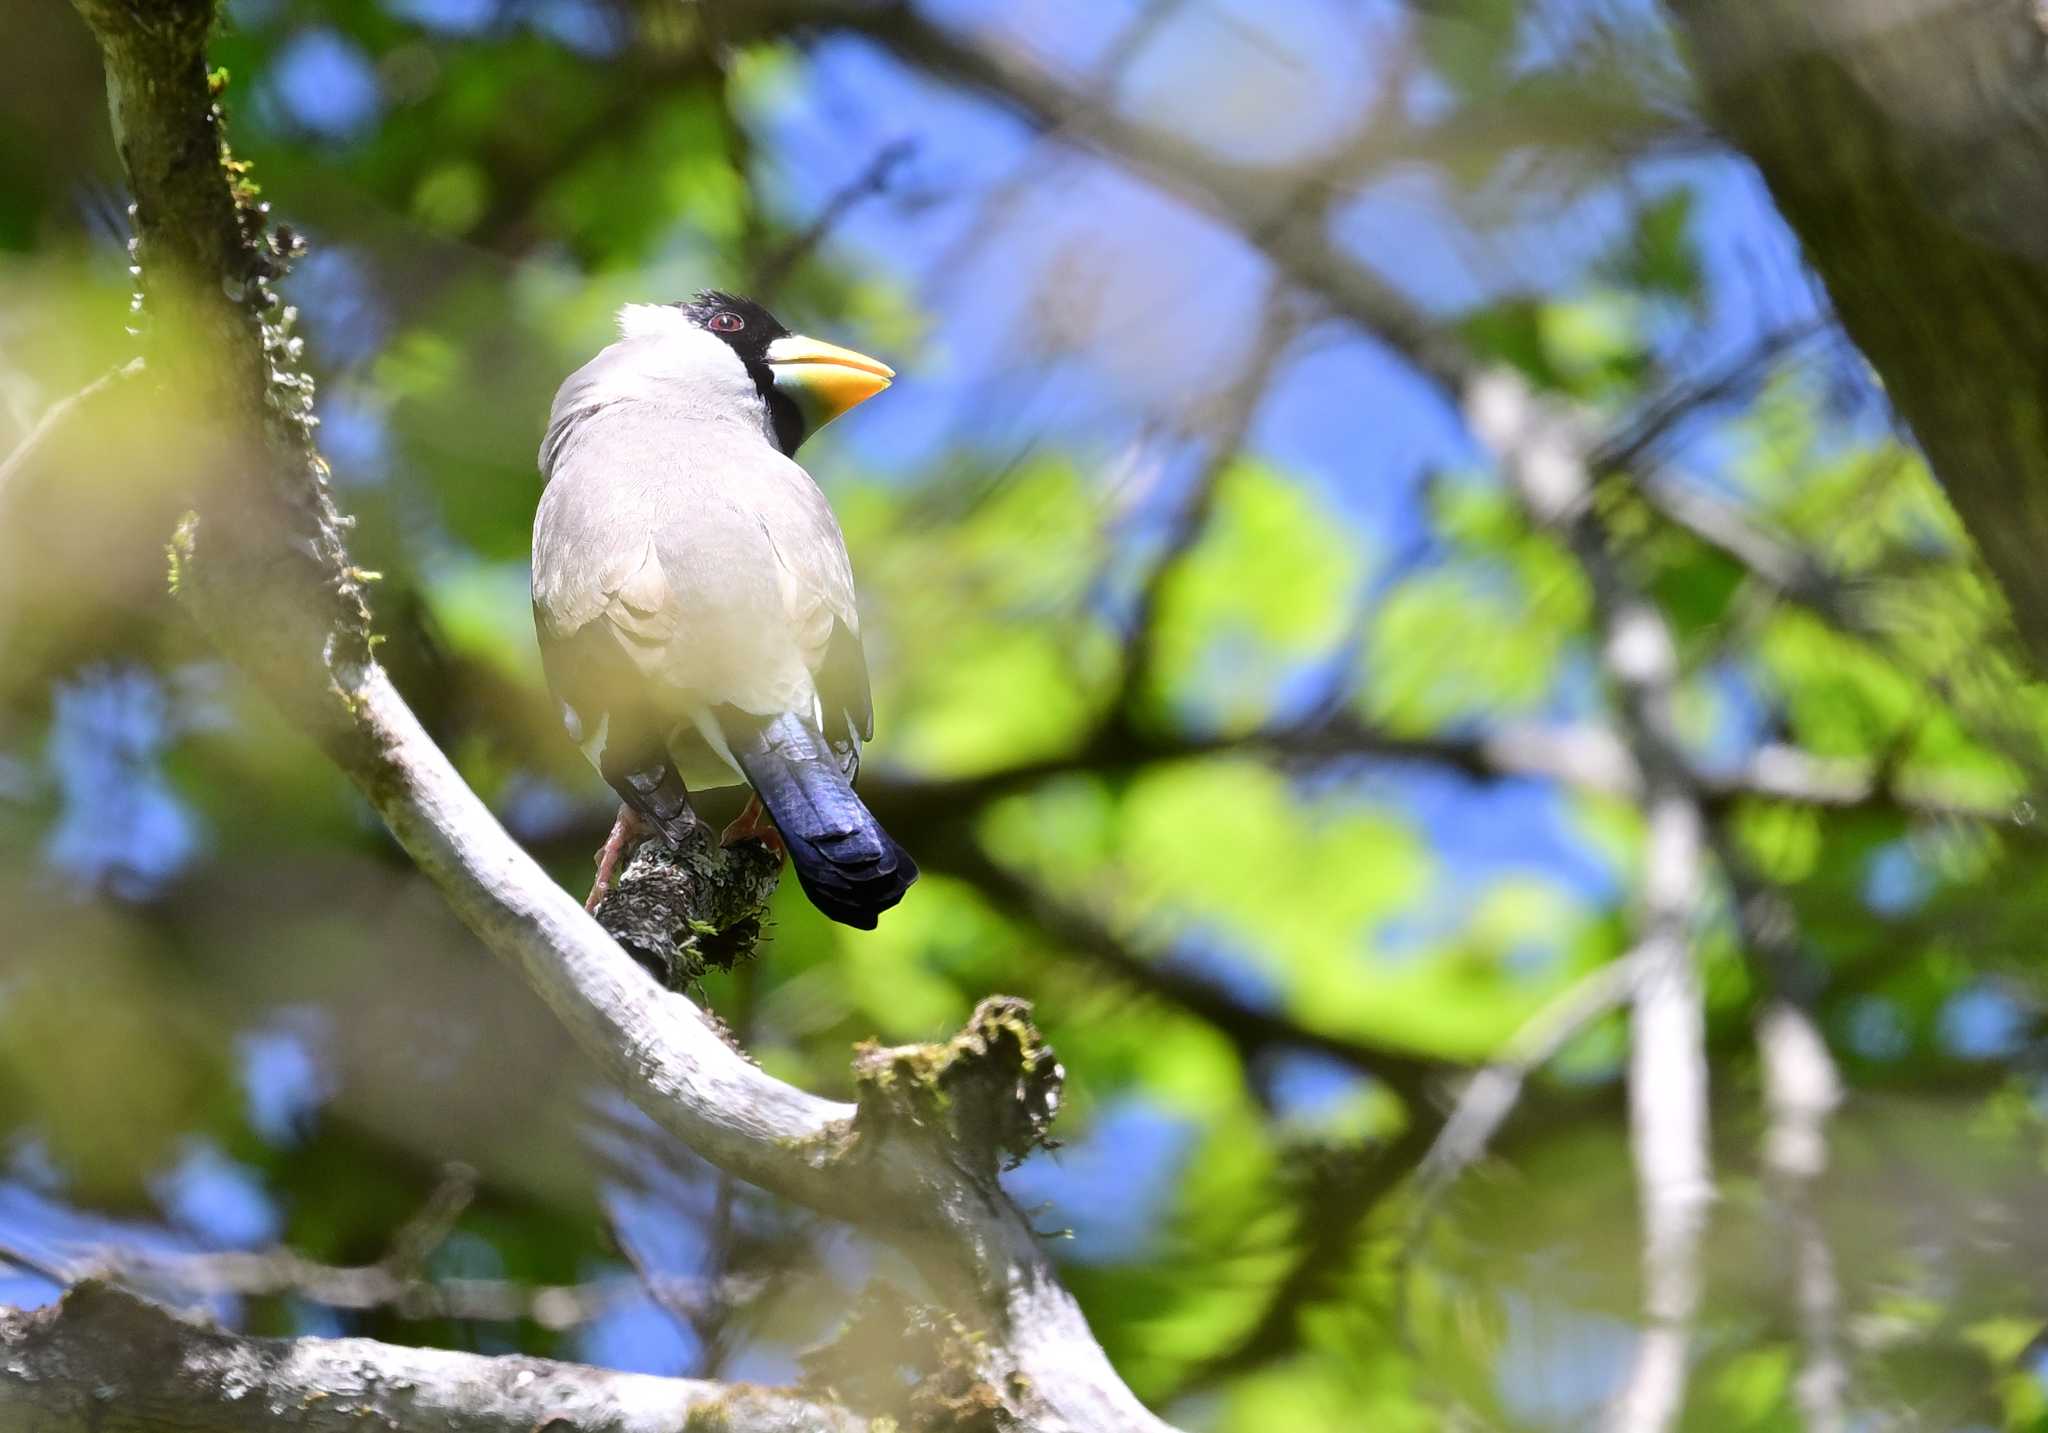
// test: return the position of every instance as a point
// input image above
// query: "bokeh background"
(1210, 652)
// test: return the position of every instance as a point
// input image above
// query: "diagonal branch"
(59, 415)
(1250, 1029)
(1283, 215)
(1490, 1096)
(1190, 521)
(873, 181)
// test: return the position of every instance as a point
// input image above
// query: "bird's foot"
(752, 824)
(628, 831)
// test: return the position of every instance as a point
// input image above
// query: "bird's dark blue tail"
(848, 865)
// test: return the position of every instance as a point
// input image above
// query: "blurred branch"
(59, 415)
(1628, 446)
(1543, 455)
(1489, 1097)
(263, 566)
(873, 180)
(397, 1281)
(1278, 326)
(1801, 1090)
(103, 1358)
(956, 853)
(684, 1304)
(1284, 214)
(1789, 571)
(1584, 756)
(281, 1273)
(1339, 1197)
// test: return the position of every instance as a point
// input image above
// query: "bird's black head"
(748, 329)
(742, 323)
(805, 382)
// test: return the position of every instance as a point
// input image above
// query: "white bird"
(693, 596)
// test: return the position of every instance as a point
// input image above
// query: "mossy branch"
(681, 911)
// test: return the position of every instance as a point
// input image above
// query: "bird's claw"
(752, 824)
(627, 832)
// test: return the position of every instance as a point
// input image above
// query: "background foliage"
(1197, 618)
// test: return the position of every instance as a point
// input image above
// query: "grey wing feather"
(714, 564)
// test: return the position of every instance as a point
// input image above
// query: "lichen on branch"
(989, 1093)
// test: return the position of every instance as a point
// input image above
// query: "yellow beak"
(824, 379)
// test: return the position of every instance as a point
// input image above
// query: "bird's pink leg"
(627, 832)
(752, 824)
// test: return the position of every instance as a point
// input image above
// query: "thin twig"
(396, 1281)
(1278, 326)
(53, 421)
(1542, 452)
(1490, 1096)
(429, 1228)
(873, 180)
(1624, 448)
(1802, 1089)
(686, 1302)
(280, 1272)
(1251, 1029)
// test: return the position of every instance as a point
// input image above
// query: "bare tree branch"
(1489, 1097)
(397, 1281)
(1280, 213)
(1801, 1091)
(55, 418)
(1627, 447)
(278, 1272)
(1252, 1030)
(1583, 756)
(873, 180)
(104, 1361)
(1224, 442)
(1543, 456)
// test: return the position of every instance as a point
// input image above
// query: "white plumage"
(709, 557)
(692, 593)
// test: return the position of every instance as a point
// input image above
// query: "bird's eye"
(726, 321)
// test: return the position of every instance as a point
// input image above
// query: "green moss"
(179, 549)
(990, 1090)
(910, 1365)
(711, 1417)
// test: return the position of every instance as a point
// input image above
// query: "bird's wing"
(603, 617)
(815, 578)
(710, 562)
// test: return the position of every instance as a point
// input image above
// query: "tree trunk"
(1906, 142)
